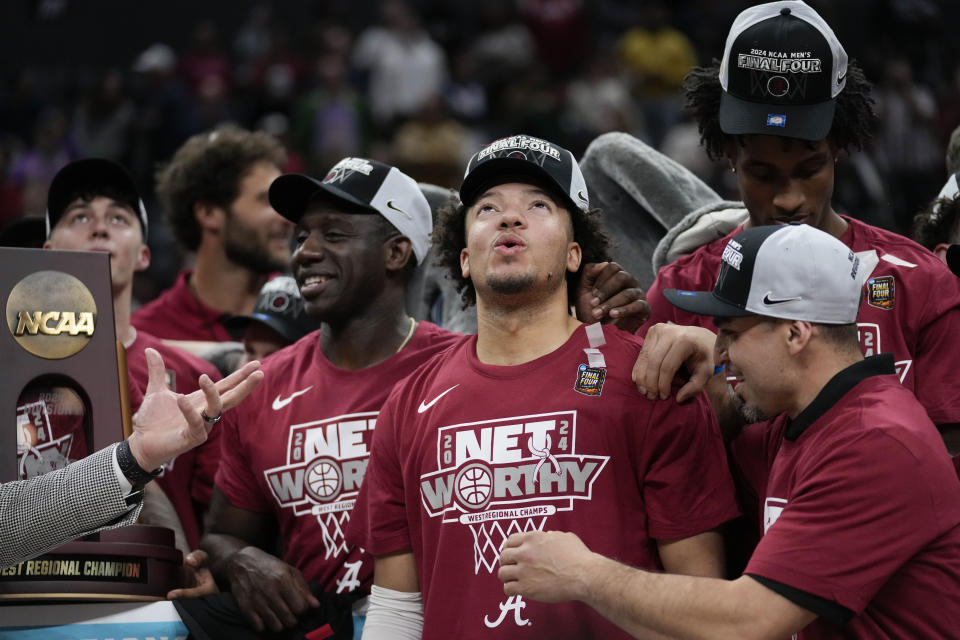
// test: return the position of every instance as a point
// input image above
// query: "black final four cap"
(781, 72)
(84, 178)
(522, 158)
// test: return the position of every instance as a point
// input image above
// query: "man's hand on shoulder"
(667, 348)
(608, 293)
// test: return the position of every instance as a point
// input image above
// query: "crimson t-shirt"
(911, 308)
(861, 509)
(176, 314)
(297, 448)
(187, 479)
(466, 454)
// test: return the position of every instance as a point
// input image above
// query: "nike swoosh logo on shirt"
(280, 404)
(423, 407)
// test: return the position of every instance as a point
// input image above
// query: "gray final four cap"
(365, 183)
(794, 272)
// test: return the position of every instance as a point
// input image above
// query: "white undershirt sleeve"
(394, 615)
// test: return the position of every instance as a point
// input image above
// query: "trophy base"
(138, 563)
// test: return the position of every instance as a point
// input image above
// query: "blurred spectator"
(907, 152)
(464, 95)
(598, 101)
(405, 67)
(277, 125)
(205, 61)
(276, 76)
(331, 121)
(164, 113)
(214, 194)
(433, 146)
(557, 27)
(50, 150)
(502, 46)
(659, 56)
(102, 120)
(11, 193)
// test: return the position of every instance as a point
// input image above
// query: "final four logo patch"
(880, 292)
(589, 380)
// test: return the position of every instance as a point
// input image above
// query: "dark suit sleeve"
(56, 507)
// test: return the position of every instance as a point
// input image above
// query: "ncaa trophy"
(63, 385)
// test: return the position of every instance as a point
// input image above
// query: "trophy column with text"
(63, 386)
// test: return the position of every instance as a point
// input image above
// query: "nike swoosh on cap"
(770, 301)
(280, 404)
(390, 205)
(424, 406)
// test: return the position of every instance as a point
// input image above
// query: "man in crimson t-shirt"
(531, 424)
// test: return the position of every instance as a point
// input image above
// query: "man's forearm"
(672, 605)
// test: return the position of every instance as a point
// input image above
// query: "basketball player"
(533, 423)
(297, 454)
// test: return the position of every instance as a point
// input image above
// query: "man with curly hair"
(531, 423)
(214, 194)
(938, 226)
(781, 108)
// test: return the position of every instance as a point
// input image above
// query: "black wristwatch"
(132, 470)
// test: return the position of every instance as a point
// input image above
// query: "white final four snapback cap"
(365, 183)
(794, 272)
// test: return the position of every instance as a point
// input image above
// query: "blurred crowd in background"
(422, 84)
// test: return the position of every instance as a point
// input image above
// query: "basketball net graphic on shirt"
(506, 476)
(326, 460)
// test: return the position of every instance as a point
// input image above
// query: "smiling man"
(789, 104)
(533, 423)
(861, 518)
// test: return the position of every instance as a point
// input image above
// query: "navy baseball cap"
(86, 176)
(795, 272)
(519, 158)
(280, 307)
(362, 182)
(781, 72)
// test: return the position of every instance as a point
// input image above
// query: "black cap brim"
(953, 259)
(236, 325)
(704, 303)
(807, 122)
(501, 170)
(290, 194)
